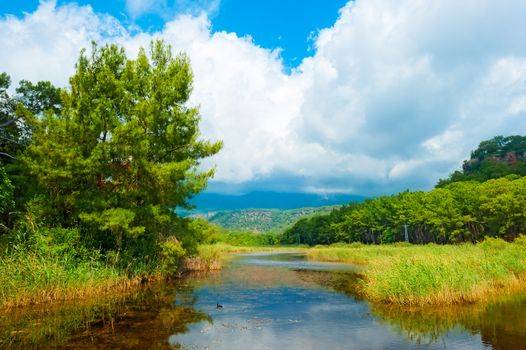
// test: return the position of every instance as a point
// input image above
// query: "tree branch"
(7, 155)
(9, 122)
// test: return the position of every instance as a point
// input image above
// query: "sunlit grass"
(31, 278)
(434, 274)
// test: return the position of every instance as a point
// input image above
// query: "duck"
(219, 306)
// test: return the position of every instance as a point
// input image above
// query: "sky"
(366, 97)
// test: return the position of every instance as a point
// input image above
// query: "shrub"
(172, 253)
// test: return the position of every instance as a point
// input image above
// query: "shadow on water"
(501, 323)
(143, 319)
(270, 301)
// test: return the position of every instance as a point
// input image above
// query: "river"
(269, 301)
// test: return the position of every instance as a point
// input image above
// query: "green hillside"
(262, 220)
(494, 158)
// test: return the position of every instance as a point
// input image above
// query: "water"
(270, 301)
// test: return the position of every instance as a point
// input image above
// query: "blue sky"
(383, 96)
(288, 25)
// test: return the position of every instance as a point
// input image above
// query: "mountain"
(207, 202)
(262, 220)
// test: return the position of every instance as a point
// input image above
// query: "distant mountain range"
(207, 202)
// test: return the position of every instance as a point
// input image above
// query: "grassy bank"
(434, 274)
(31, 279)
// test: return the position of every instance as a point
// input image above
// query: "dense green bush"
(172, 253)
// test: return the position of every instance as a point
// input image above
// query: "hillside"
(494, 158)
(262, 220)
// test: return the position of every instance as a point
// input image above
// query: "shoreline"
(392, 275)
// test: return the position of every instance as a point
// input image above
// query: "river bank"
(31, 278)
(395, 274)
(420, 275)
(282, 300)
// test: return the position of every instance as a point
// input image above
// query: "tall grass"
(434, 274)
(32, 278)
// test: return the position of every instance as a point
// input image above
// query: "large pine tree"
(124, 149)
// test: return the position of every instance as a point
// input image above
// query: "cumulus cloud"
(395, 95)
(45, 44)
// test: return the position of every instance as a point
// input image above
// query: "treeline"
(90, 174)
(211, 233)
(464, 211)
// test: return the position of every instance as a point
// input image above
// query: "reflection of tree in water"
(422, 326)
(500, 323)
(144, 319)
(503, 324)
(347, 283)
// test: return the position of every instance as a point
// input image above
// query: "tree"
(124, 149)
(18, 112)
(39, 97)
(8, 127)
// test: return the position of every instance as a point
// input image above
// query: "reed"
(209, 257)
(31, 278)
(434, 274)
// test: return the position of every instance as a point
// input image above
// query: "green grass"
(434, 274)
(32, 278)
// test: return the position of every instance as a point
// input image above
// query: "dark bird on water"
(219, 306)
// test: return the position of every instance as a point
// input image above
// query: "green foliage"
(498, 157)
(17, 113)
(172, 253)
(9, 130)
(203, 231)
(92, 172)
(39, 97)
(123, 149)
(459, 212)
(247, 238)
(6, 192)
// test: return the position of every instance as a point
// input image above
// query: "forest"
(486, 199)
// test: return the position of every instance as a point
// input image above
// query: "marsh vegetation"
(282, 300)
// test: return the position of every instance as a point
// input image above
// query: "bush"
(172, 253)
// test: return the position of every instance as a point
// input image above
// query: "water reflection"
(278, 302)
(501, 323)
(141, 320)
(269, 302)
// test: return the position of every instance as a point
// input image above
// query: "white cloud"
(168, 8)
(45, 45)
(137, 8)
(395, 95)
